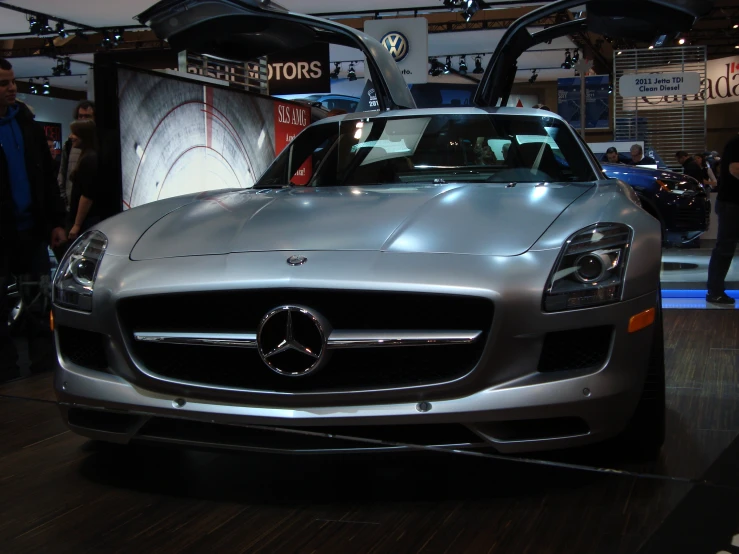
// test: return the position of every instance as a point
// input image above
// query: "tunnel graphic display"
(179, 137)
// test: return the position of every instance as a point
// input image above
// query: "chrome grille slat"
(336, 340)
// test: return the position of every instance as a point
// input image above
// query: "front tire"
(645, 433)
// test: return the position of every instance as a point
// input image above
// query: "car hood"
(481, 219)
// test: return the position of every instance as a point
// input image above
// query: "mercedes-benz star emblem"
(292, 341)
(297, 260)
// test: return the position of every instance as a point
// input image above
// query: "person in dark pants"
(31, 209)
(727, 210)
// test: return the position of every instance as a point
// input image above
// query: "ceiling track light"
(471, 8)
(351, 74)
(567, 64)
(436, 67)
(448, 65)
(46, 86)
(534, 75)
(32, 86)
(337, 70)
(478, 66)
(576, 56)
(60, 30)
(462, 65)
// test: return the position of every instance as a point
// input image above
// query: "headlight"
(590, 269)
(676, 186)
(75, 277)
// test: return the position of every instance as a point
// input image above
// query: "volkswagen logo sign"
(292, 340)
(396, 44)
(297, 260)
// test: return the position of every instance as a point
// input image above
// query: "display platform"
(62, 490)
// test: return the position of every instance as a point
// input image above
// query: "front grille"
(690, 218)
(576, 349)
(347, 370)
(83, 348)
(235, 436)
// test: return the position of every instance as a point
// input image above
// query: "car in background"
(679, 202)
(331, 102)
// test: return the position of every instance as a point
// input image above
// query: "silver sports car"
(462, 278)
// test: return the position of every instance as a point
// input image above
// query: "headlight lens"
(676, 186)
(590, 269)
(75, 277)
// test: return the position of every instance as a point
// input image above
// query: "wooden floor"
(60, 493)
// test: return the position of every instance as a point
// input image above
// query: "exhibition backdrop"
(597, 101)
(179, 136)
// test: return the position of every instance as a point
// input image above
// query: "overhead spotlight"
(451, 4)
(60, 30)
(462, 65)
(32, 87)
(63, 67)
(351, 74)
(576, 56)
(619, 53)
(610, 89)
(470, 9)
(336, 71)
(736, 26)
(567, 64)
(681, 41)
(118, 37)
(448, 65)
(651, 47)
(478, 66)
(436, 68)
(534, 75)
(34, 25)
(47, 30)
(106, 42)
(46, 86)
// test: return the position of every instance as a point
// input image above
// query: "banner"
(720, 86)
(290, 119)
(179, 136)
(407, 41)
(597, 100)
(303, 71)
(53, 131)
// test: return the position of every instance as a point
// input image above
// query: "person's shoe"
(720, 299)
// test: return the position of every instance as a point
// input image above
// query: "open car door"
(627, 19)
(248, 29)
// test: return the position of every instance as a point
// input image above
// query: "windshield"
(439, 148)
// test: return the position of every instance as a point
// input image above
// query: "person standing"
(727, 210)
(31, 208)
(70, 155)
(690, 166)
(85, 201)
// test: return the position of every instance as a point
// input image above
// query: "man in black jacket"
(31, 209)
(727, 236)
(690, 166)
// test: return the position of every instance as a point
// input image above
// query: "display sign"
(53, 131)
(303, 71)
(597, 99)
(721, 86)
(195, 137)
(290, 119)
(659, 84)
(407, 41)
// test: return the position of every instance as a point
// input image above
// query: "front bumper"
(505, 402)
